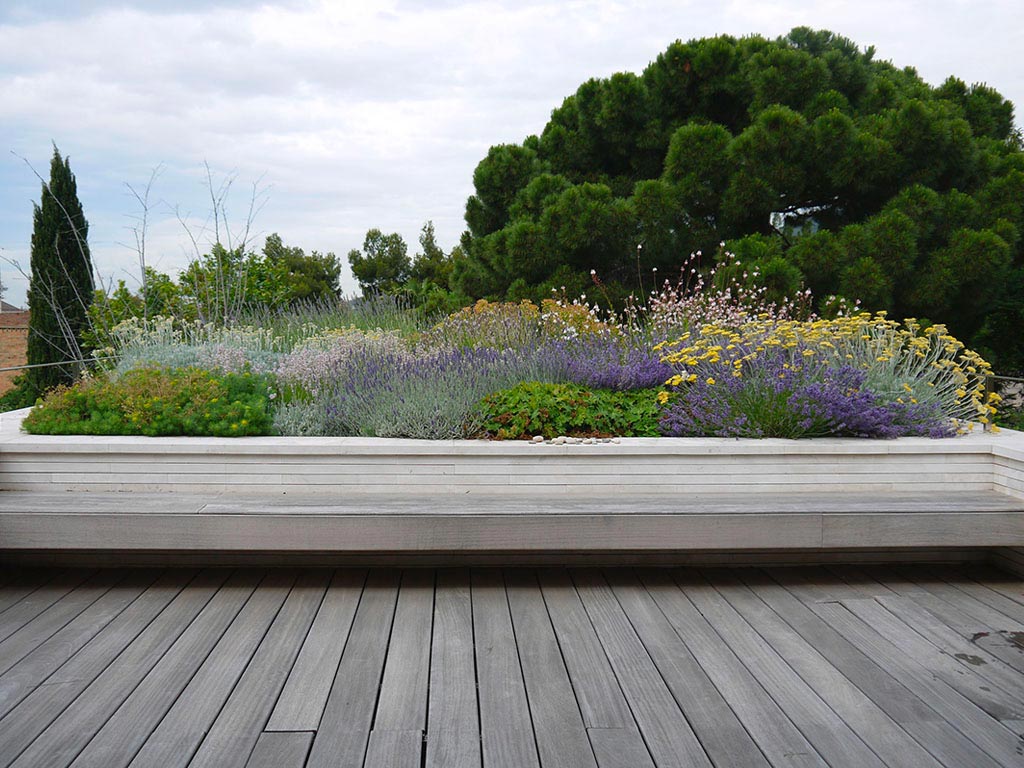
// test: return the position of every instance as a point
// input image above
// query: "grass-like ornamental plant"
(903, 379)
(383, 394)
(533, 408)
(156, 402)
(169, 343)
(510, 325)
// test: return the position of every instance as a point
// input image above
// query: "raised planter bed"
(368, 497)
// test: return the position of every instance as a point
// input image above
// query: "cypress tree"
(61, 285)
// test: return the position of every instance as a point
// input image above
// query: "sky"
(340, 116)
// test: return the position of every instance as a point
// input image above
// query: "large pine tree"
(813, 162)
(61, 285)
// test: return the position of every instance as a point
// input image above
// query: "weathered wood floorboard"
(873, 679)
(453, 739)
(238, 727)
(557, 723)
(348, 714)
(913, 672)
(874, 726)
(506, 728)
(720, 732)
(20, 680)
(552, 668)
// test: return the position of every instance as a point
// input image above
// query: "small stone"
(615, 440)
(560, 440)
(588, 441)
(538, 438)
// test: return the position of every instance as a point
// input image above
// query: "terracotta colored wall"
(13, 341)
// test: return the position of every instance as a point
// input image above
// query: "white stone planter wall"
(357, 466)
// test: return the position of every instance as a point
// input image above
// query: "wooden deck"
(281, 668)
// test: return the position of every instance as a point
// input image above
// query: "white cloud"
(365, 114)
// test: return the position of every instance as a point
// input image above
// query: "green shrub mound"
(551, 410)
(157, 402)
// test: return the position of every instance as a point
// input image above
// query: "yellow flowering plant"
(903, 363)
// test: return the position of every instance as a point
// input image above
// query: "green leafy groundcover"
(157, 402)
(551, 410)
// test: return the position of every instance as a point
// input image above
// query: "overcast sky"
(351, 115)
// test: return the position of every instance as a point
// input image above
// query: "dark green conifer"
(61, 285)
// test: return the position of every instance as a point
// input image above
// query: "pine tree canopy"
(807, 156)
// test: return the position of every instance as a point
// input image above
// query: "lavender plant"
(604, 361)
(773, 395)
(384, 394)
(322, 358)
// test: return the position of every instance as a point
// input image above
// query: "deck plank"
(969, 619)
(985, 582)
(239, 724)
(776, 736)
(309, 682)
(20, 613)
(975, 659)
(24, 583)
(117, 658)
(850, 665)
(964, 677)
(30, 671)
(873, 678)
(619, 748)
(832, 738)
(454, 737)
(557, 723)
(973, 723)
(402, 705)
(665, 729)
(280, 749)
(345, 725)
(181, 730)
(602, 703)
(392, 748)
(506, 728)
(713, 721)
(128, 727)
(34, 633)
(948, 595)
(875, 728)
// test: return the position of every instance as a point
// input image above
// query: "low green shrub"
(157, 402)
(551, 410)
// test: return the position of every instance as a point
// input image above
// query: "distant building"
(13, 341)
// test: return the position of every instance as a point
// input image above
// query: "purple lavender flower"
(604, 362)
(774, 398)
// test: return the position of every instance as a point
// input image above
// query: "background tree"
(430, 277)
(818, 163)
(383, 265)
(221, 286)
(314, 277)
(60, 285)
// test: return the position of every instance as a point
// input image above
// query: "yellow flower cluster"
(902, 361)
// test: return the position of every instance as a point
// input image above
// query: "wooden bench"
(227, 527)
